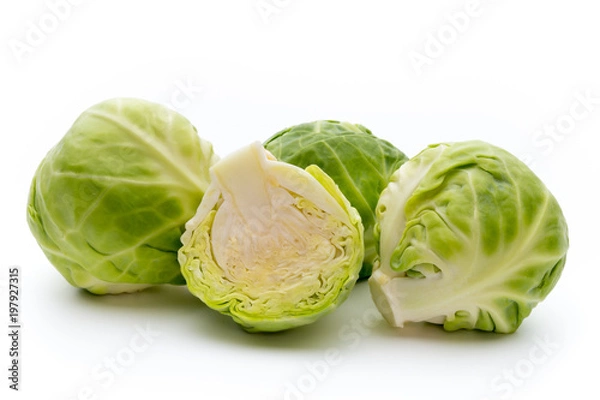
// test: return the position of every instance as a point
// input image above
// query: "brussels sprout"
(468, 237)
(109, 202)
(271, 245)
(360, 164)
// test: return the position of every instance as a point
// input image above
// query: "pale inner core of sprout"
(277, 247)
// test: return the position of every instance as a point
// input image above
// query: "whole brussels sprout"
(109, 202)
(360, 163)
(272, 245)
(468, 237)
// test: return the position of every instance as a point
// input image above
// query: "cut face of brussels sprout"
(109, 202)
(360, 163)
(272, 245)
(468, 237)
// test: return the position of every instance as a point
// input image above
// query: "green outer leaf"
(108, 203)
(495, 234)
(359, 163)
(271, 310)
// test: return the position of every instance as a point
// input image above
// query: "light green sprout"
(468, 238)
(109, 202)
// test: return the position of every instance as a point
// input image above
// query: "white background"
(514, 68)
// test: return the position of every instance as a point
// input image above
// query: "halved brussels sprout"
(271, 245)
(469, 238)
(109, 202)
(359, 162)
